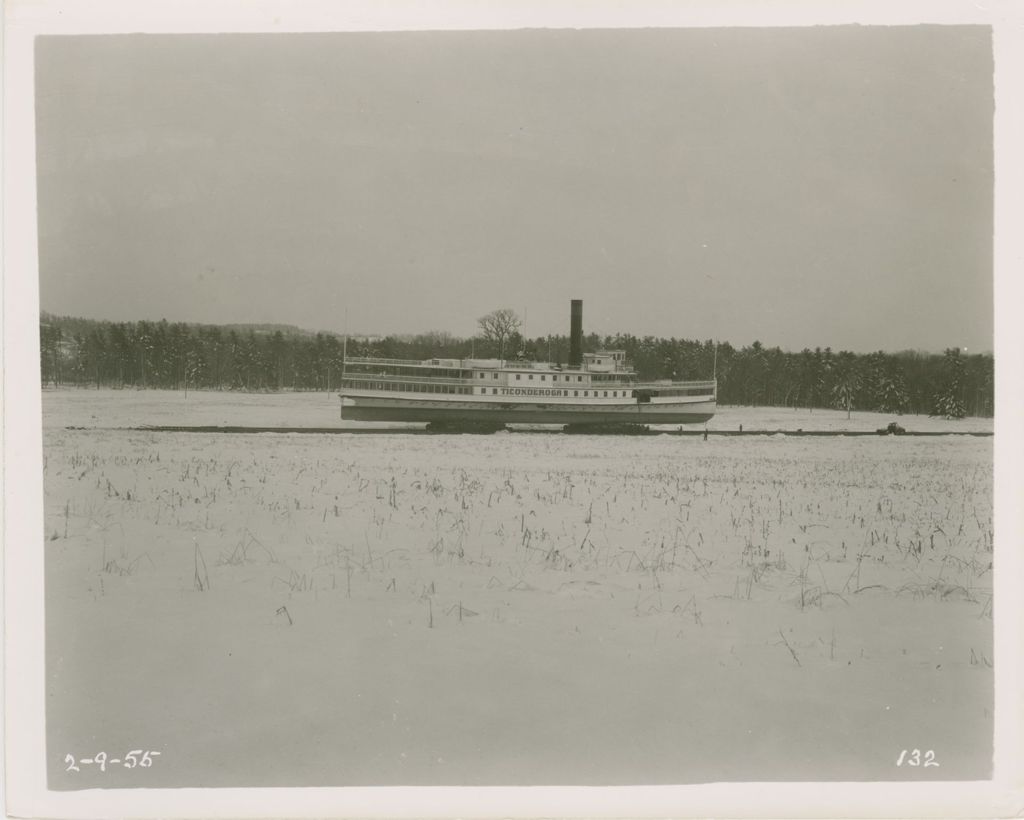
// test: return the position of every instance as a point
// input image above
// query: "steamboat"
(593, 390)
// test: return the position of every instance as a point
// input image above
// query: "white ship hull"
(371, 405)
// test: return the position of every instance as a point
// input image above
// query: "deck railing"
(391, 377)
(695, 385)
(698, 387)
(399, 362)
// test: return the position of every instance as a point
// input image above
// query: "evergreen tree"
(948, 399)
(893, 396)
(845, 382)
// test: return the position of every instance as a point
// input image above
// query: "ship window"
(606, 392)
(542, 378)
(518, 377)
(575, 392)
(494, 375)
(586, 392)
(482, 375)
(579, 378)
(531, 377)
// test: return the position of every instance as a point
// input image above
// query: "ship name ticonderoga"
(531, 391)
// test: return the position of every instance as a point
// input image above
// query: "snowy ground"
(458, 610)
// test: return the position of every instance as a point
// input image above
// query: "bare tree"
(498, 326)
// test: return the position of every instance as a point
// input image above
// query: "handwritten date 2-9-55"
(139, 758)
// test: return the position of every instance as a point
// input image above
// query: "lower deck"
(369, 406)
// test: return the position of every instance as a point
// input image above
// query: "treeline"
(183, 356)
(87, 352)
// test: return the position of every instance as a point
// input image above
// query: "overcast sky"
(826, 186)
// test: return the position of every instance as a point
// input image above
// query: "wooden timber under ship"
(598, 389)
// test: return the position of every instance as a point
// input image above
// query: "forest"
(145, 354)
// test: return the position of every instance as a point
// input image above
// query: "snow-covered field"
(268, 609)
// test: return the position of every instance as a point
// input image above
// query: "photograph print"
(538, 407)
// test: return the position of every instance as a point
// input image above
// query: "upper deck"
(604, 366)
(606, 370)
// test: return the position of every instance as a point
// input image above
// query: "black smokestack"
(576, 333)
